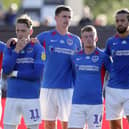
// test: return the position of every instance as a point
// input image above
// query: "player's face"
(22, 31)
(122, 23)
(88, 39)
(63, 19)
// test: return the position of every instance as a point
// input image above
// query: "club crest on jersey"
(95, 58)
(43, 56)
(69, 42)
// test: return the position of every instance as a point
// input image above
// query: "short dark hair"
(89, 28)
(61, 8)
(123, 11)
(26, 20)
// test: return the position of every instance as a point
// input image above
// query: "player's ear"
(31, 31)
(81, 40)
(96, 39)
(55, 18)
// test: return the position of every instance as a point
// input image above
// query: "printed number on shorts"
(34, 114)
(97, 118)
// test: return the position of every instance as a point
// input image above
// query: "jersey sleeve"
(78, 43)
(2, 46)
(37, 71)
(9, 60)
(107, 63)
(73, 68)
(41, 38)
(107, 48)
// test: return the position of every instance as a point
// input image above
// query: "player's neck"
(62, 31)
(89, 50)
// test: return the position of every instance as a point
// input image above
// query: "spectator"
(87, 17)
(11, 14)
(46, 21)
(101, 20)
(1, 15)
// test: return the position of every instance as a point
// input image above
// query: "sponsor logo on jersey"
(64, 51)
(24, 60)
(122, 53)
(69, 42)
(95, 58)
(61, 50)
(88, 68)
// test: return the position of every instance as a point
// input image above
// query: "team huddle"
(58, 76)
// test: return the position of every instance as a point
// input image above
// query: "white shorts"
(117, 103)
(28, 108)
(56, 103)
(89, 115)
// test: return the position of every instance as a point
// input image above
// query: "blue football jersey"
(29, 63)
(58, 66)
(89, 75)
(118, 49)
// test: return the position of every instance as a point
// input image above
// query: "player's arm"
(3, 81)
(105, 83)
(42, 39)
(37, 71)
(108, 46)
(13, 41)
(78, 43)
(2, 46)
(11, 54)
(73, 69)
(9, 60)
(107, 63)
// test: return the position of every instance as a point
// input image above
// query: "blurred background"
(43, 10)
(96, 12)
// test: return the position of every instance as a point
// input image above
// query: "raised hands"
(21, 43)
